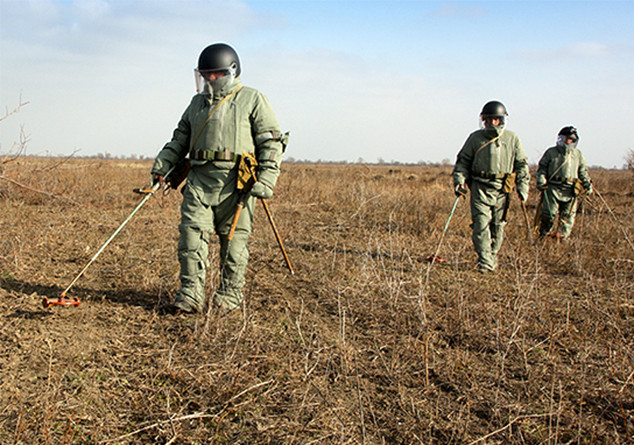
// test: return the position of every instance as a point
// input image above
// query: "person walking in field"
(490, 164)
(561, 176)
(222, 121)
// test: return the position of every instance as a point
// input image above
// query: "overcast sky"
(391, 80)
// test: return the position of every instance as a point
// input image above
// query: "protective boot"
(227, 299)
(545, 227)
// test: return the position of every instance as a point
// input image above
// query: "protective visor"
(482, 121)
(201, 78)
(562, 138)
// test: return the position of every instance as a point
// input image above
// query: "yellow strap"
(200, 130)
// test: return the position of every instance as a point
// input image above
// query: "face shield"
(214, 81)
(485, 122)
(202, 86)
(566, 141)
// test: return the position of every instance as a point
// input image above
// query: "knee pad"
(193, 249)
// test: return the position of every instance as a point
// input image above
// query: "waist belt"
(214, 155)
(564, 180)
(488, 175)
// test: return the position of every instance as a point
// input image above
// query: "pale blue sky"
(397, 80)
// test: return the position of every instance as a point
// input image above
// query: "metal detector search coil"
(62, 300)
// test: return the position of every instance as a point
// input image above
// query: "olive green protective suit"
(486, 157)
(244, 122)
(559, 168)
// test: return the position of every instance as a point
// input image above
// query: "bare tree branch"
(15, 110)
(57, 164)
(52, 195)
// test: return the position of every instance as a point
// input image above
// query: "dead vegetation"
(353, 349)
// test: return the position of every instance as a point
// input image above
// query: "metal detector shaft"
(149, 194)
(526, 221)
(269, 216)
(433, 258)
(143, 201)
(453, 209)
(277, 236)
(538, 212)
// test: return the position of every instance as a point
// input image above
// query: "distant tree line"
(629, 161)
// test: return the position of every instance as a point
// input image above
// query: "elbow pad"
(268, 145)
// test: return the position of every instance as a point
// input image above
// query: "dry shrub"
(354, 349)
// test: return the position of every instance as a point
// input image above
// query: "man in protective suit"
(491, 163)
(223, 120)
(561, 176)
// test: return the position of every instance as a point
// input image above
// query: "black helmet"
(494, 109)
(570, 132)
(218, 57)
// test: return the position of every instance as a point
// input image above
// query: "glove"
(261, 190)
(542, 187)
(157, 179)
(589, 190)
(460, 190)
(523, 194)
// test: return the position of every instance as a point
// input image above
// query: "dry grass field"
(356, 348)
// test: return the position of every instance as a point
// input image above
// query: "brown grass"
(352, 350)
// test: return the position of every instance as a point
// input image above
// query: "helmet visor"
(201, 83)
(206, 78)
(207, 73)
(208, 81)
(567, 141)
(498, 122)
